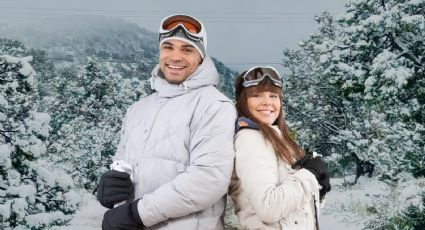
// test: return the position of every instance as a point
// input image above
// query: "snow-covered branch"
(409, 53)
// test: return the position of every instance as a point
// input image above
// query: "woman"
(267, 192)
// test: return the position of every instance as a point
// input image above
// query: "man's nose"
(176, 55)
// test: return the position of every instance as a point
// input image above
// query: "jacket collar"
(245, 123)
(206, 74)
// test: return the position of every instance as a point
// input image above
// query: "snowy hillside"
(354, 92)
(126, 47)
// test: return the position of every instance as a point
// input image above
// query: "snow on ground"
(89, 216)
(350, 206)
(337, 212)
(347, 206)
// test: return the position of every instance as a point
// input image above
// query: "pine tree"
(227, 78)
(378, 64)
(45, 70)
(87, 139)
(314, 108)
(30, 196)
(373, 68)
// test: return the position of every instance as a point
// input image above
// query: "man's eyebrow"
(167, 43)
(188, 46)
(184, 46)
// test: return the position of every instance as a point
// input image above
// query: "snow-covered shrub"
(33, 193)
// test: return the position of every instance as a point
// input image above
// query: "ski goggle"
(190, 26)
(255, 75)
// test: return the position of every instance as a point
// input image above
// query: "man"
(178, 141)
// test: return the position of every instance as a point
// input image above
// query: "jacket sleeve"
(256, 166)
(120, 152)
(207, 178)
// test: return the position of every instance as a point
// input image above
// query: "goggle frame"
(271, 73)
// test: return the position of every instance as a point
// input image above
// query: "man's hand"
(315, 165)
(125, 216)
(114, 187)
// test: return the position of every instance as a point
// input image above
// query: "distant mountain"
(128, 48)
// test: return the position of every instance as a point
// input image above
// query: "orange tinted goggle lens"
(190, 25)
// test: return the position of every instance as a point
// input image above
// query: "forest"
(354, 92)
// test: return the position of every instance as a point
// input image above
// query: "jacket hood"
(205, 75)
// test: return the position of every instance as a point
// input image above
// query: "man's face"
(178, 60)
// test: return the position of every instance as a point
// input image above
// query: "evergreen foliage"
(89, 71)
(413, 218)
(30, 197)
(87, 136)
(362, 75)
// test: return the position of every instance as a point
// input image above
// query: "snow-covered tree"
(64, 105)
(88, 137)
(33, 193)
(371, 65)
(310, 102)
(313, 107)
(45, 77)
(227, 78)
(378, 65)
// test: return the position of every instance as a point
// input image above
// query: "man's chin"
(173, 80)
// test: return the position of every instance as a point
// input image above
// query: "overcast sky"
(240, 33)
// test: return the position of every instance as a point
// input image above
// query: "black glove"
(315, 165)
(114, 187)
(125, 216)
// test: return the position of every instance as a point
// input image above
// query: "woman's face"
(264, 106)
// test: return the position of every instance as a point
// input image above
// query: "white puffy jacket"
(179, 141)
(267, 192)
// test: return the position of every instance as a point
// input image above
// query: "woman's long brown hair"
(285, 147)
